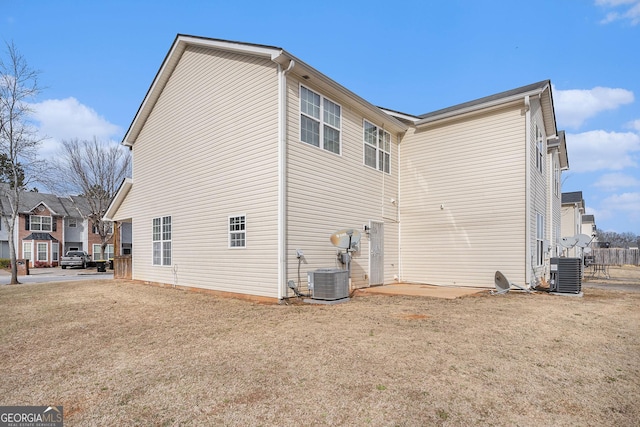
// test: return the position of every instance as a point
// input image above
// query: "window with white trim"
(539, 150)
(108, 252)
(162, 240)
(72, 222)
(40, 223)
(377, 147)
(320, 121)
(539, 239)
(556, 179)
(55, 251)
(238, 231)
(43, 252)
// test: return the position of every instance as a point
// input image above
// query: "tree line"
(611, 239)
(90, 168)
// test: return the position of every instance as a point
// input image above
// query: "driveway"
(57, 274)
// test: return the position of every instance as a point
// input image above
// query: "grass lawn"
(123, 353)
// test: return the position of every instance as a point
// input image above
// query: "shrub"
(5, 263)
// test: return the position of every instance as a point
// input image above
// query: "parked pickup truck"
(75, 259)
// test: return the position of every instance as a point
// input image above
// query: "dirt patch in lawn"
(123, 353)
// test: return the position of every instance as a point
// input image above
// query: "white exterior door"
(376, 253)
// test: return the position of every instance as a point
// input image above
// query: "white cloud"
(628, 203)
(630, 10)
(60, 119)
(574, 106)
(613, 181)
(601, 150)
(634, 124)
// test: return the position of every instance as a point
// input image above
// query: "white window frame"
(161, 235)
(72, 222)
(40, 252)
(55, 251)
(237, 231)
(382, 147)
(539, 239)
(40, 223)
(556, 178)
(27, 253)
(323, 120)
(96, 252)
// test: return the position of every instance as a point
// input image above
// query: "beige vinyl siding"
(329, 192)
(207, 151)
(462, 200)
(538, 185)
(553, 219)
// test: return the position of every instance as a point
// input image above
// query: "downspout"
(282, 179)
(527, 191)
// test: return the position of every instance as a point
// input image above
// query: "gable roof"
(542, 89)
(273, 53)
(572, 198)
(560, 143)
(588, 218)
(71, 207)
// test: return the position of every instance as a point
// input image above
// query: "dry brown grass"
(123, 353)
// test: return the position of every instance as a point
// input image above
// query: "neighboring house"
(572, 211)
(244, 155)
(48, 226)
(589, 228)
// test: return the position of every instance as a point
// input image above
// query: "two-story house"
(247, 159)
(48, 226)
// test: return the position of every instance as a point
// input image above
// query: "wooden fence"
(615, 256)
(122, 267)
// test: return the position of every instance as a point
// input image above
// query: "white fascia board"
(473, 108)
(115, 204)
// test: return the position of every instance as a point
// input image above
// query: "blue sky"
(98, 58)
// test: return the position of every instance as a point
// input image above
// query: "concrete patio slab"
(448, 292)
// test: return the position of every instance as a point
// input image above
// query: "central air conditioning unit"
(566, 275)
(328, 283)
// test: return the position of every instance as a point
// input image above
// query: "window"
(162, 241)
(26, 250)
(539, 239)
(72, 222)
(539, 150)
(42, 252)
(556, 179)
(55, 251)
(377, 147)
(108, 252)
(39, 223)
(237, 231)
(320, 121)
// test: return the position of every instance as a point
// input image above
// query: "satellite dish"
(569, 242)
(587, 250)
(502, 283)
(583, 240)
(345, 239)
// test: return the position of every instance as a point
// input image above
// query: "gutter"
(282, 177)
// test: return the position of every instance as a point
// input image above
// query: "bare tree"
(19, 141)
(94, 170)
